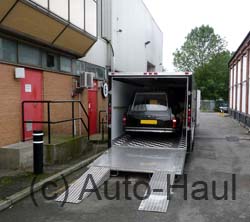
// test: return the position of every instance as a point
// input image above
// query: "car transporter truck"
(150, 148)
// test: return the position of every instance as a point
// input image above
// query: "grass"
(59, 139)
(12, 184)
(5, 181)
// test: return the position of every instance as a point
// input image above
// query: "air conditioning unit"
(87, 80)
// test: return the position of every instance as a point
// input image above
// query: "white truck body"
(121, 156)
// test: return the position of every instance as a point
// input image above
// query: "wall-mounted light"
(146, 43)
(19, 73)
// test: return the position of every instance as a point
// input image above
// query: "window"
(231, 88)
(239, 86)
(244, 90)
(235, 75)
(77, 13)
(29, 55)
(65, 64)
(231, 96)
(244, 68)
(238, 97)
(8, 50)
(231, 77)
(91, 20)
(60, 8)
(249, 99)
(100, 73)
(234, 87)
(244, 83)
(235, 93)
(99, 17)
(239, 72)
(80, 67)
(43, 3)
(90, 68)
(50, 61)
(150, 102)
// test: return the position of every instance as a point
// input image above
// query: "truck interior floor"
(149, 140)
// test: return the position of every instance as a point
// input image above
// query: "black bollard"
(38, 151)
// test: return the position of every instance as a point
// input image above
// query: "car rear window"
(150, 102)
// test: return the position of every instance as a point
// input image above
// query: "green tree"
(213, 77)
(200, 46)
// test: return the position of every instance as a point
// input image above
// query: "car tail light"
(189, 117)
(174, 123)
(124, 120)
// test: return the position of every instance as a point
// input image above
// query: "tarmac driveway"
(220, 162)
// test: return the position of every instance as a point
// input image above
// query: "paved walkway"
(222, 149)
(13, 181)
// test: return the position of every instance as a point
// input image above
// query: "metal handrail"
(100, 121)
(49, 122)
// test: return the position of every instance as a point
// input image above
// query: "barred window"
(29, 55)
(8, 50)
(65, 64)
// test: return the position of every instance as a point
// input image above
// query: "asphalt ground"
(221, 158)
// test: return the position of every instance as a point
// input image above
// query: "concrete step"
(16, 156)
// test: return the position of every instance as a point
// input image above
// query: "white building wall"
(136, 27)
(97, 54)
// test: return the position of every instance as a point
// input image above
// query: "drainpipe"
(113, 53)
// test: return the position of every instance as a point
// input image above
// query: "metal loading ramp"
(129, 154)
(159, 195)
(75, 192)
(145, 155)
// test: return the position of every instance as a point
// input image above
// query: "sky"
(176, 18)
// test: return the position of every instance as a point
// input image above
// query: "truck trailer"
(179, 86)
(160, 153)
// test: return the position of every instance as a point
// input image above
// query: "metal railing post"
(49, 130)
(102, 129)
(73, 119)
(101, 111)
(88, 127)
(23, 124)
(99, 120)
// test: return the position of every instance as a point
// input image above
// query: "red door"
(92, 98)
(32, 89)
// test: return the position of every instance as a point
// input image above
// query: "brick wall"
(56, 87)
(59, 87)
(10, 106)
